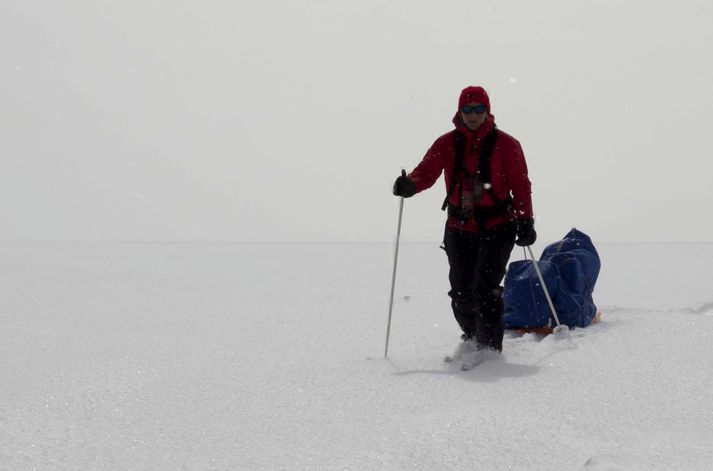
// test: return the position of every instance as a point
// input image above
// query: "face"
(473, 120)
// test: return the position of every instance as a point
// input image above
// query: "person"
(489, 210)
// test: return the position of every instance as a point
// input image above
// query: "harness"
(481, 182)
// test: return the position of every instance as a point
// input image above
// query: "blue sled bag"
(570, 269)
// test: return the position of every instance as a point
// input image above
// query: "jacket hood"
(473, 95)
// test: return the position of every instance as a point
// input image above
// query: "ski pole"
(560, 329)
(393, 275)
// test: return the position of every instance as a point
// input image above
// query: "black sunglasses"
(468, 109)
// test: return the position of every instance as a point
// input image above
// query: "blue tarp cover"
(570, 269)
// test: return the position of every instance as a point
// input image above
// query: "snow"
(270, 356)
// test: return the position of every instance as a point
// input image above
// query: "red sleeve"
(519, 182)
(427, 172)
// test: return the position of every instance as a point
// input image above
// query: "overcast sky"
(289, 120)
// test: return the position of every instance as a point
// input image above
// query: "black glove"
(526, 234)
(404, 186)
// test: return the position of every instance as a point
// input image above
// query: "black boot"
(465, 315)
(489, 319)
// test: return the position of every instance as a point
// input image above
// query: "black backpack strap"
(459, 151)
(484, 167)
(483, 182)
(483, 177)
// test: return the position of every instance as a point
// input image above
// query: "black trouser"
(477, 266)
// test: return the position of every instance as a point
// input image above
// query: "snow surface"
(270, 356)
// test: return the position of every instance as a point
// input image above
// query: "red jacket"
(508, 173)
